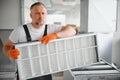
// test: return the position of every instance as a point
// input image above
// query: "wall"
(9, 14)
(116, 41)
(102, 16)
(9, 17)
(73, 16)
(98, 16)
(4, 34)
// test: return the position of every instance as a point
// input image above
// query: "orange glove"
(13, 53)
(46, 39)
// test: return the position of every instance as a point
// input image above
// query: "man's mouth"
(39, 24)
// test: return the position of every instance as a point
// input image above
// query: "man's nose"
(40, 14)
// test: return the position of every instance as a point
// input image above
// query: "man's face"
(38, 14)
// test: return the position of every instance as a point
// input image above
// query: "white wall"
(73, 16)
(102, 15)
(9, 14)
(98, 15)
(10, 17)
(58, 19)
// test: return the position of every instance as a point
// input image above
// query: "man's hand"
(46, 39)
(13, 53)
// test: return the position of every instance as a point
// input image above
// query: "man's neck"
(36, 26)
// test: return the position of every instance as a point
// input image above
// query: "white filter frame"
(38, 59)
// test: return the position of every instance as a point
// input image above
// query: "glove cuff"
(55, 35)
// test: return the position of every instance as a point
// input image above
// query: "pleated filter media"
(38, 59)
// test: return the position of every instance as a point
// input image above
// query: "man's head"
(38, 13)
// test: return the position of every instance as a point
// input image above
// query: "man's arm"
(9, 50)
(7, 46)
(66, 31)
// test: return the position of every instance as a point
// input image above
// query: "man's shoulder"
(19, 28)
(27, 24)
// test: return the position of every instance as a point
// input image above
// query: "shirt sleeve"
(14, 36)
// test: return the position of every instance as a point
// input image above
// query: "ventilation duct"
(47, 3)
(69, 2)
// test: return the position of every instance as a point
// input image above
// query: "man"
(36, 30)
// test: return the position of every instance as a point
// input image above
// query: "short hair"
(37, 3)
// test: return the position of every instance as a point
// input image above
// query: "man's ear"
(30, 15)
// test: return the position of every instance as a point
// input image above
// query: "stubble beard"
(39, 24)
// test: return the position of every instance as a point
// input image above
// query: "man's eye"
(43, 13)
